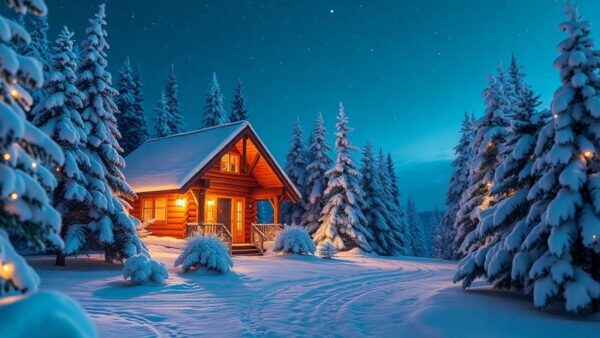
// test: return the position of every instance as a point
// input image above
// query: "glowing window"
(154, 208)
(210, 211)
(239, 216)
(230, 163)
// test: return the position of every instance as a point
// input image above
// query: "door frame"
(234, 199)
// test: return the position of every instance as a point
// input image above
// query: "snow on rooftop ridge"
(199, 130)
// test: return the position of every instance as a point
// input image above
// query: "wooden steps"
(244, 249)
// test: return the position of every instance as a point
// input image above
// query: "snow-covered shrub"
(327, 250)
(142, 228)
(208, 251)
(294, 240)
(143, 269)
(16, 276)
(44, 314)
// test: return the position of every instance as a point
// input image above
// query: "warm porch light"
(210, 203)
(180, 202)
(588, 154)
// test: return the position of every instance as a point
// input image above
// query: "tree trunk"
(60, 258)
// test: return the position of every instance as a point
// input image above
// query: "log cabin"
(209, 181)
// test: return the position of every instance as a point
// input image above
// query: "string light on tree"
(7, 271)
(14, 93)
(588, 154)
(6, 156)
(13, 196)
(34, 165)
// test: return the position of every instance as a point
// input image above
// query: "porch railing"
(217, 229)
(261, 233)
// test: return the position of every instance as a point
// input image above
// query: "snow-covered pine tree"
(488, 141)
(459, 183)
(390, 195)
(26, 152)
(130, 121)
(295, 168)
(561, 253)
(375, 209)
(239, 112)
(316, 182)
(37, 27)
(163, 118)
(415, 229)
(58, 116)
(435, 222)
(138, 106)
(342, 221)
(214, 114)
(177, 123)
(109, 226)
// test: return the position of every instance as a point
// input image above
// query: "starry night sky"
(405, 70)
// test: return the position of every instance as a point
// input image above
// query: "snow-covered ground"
(274, 295)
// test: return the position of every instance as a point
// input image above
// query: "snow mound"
(44, 314)
(294, 240)
(327, 250)
(207, 251)
(142, 269)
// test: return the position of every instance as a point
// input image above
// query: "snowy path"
(279, 296)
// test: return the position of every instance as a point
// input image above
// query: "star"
(331, 11)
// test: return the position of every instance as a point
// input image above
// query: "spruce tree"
(38, 48)
(415, 230)
(177, 123)
(109, 227)
(295, 168)
(487, 145)
(214, 114)
(375, 210)
(435, 222)
(342, 221)
(163, 118)
(238, 105)
(561, 253)
(459, 183)
(316, 182)
(130, 121)
(27, 156)
(138, 106)
(501, 233)
(391, 198)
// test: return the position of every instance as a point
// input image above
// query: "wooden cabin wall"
(176, 216)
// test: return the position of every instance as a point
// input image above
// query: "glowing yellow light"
(13, 196)
(490, 144)
(588, 154)
(210, 203)
(33, 165)
(6, 156)
(180, 202)
(14, 93)
(57, 169)
(7, 270)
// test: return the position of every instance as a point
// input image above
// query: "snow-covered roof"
(169, 163)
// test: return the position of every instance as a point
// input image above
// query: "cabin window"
(154, 208)
(230, 163)
(210, 211)
(239, 215)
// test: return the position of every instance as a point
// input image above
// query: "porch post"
(276, 206)
(201, 198)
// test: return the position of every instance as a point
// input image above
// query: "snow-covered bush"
(143, 269)
(208, 251)
(327, 250)
(44, 314)
(294, 240)
(142, 228)
(16, 276)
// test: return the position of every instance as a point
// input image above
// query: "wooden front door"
(224, 212)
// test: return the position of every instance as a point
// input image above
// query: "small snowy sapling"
(142, 269)
(207, 251)
(327, 250)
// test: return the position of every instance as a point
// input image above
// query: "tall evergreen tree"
(391, 198)
(500, 234)
(214, 114)
(163, 118)
(109, 226)
(316, 182)
(130, 120)
(561, 253)
(487, 144)
(459, 183)
(415, 229)
(375, 209)
(238, 105)
(138, 106)
(38, 48)
(177, 123)
(295, 168)
(27, 155)
(342, 221)
(435, 222)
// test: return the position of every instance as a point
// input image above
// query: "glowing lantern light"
(6, 156)
(7, 271)
(588, 154)
(180, 202)
(13, 196)
(14, 93)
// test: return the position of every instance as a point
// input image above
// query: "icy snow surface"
(352, 295)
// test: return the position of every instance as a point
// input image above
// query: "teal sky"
(406, 70)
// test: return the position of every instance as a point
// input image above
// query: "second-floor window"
(230, 163)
